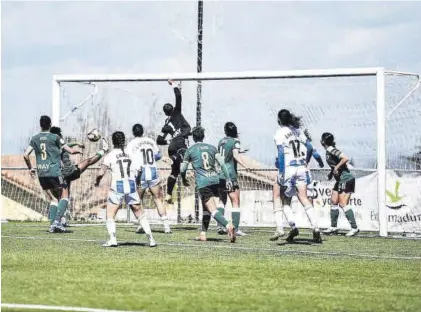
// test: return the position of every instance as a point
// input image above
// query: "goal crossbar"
(286, 74)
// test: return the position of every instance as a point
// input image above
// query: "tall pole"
(199, 84)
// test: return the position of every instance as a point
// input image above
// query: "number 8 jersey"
(123, 175)
(293, 142)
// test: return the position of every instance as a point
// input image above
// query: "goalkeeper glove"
(160, 140)
(167, 129)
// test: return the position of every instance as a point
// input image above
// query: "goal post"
(319, 75)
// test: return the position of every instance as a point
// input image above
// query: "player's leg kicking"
(80, 168)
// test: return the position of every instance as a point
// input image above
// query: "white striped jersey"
(142, 151)
(123, 175)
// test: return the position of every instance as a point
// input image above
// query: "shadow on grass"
(298, 241)
(58, 233)
(133, 244)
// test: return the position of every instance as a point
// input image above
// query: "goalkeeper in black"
(179, 129)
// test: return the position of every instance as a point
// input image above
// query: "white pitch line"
(56, 308)
(233, 247)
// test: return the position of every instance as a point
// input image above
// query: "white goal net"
(346, 106)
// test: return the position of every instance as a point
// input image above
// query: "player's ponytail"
(230, 130)
(285, 118)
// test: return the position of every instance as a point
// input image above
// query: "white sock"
(311, 215)
(143, 221)
(278, 213)
(111, 229)
(166, 222)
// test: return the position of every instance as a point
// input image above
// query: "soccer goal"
(373, 113)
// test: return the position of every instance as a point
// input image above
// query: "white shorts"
(118, 198)
(296, 176)
(148, 177)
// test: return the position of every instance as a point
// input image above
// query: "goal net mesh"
(344, 106)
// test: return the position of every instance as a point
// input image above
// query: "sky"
(40, 39)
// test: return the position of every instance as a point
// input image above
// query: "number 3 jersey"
(142, 152)
(293, 142)
(123, 175)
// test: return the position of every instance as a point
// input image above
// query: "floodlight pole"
(199, 86)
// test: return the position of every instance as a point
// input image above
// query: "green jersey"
(333, 157)
(47, 147)
(226, 148)
(202, 157)
(67, 166)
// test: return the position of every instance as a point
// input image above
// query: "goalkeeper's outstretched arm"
(178, 98)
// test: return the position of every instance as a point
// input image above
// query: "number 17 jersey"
(293, 142)
(123, 175)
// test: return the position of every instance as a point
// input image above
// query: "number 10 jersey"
(142, 151)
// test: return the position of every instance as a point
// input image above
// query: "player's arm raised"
(177, 92)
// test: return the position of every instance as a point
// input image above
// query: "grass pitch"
(343, 274)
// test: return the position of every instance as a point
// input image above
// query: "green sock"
(62, 207)
(220, 218)
(222, 211)
(334, 215)
(349, 213)
(52, 213)
(235, 215)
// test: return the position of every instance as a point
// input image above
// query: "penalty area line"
(56, 308)
(233, 247)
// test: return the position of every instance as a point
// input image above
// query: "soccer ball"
(94, 135)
